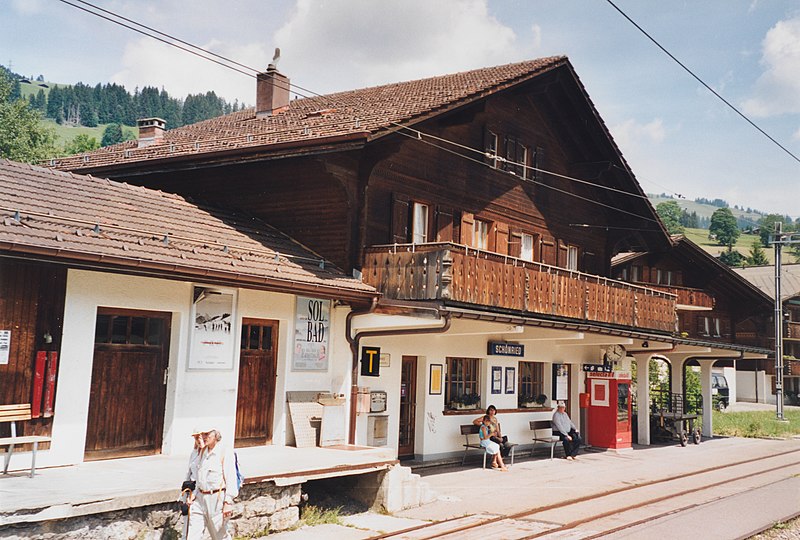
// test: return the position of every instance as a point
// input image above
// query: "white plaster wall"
(746, 383)
(192, 396)
(439, 434)
(86, 291)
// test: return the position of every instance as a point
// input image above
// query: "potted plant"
(466, 402)
(532, 400)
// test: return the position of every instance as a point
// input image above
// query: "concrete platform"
(102, 486)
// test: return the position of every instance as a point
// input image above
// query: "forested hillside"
(84, 105)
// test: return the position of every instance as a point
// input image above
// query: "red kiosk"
(609, 409)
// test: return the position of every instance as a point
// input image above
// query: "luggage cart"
(672, 416)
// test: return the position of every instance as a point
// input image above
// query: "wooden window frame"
(481, 241)
(492, 142)
(425, 233)
(534, 370)
(463, 377)
(573, 262)
(522, 238)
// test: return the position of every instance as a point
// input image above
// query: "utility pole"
(779, 240)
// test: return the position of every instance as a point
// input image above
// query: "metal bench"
(17, 413)
(540, 435)
(472, 442)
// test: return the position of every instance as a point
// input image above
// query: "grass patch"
(743, 244)
(756, 424)
(65, 134)
(314, 515)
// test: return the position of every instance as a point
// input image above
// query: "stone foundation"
(260, 507)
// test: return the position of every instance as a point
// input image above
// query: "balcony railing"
(445, 271)
(688, 298)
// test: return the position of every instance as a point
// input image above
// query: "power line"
(701, 81)
(419, 134)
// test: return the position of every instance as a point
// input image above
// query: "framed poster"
(212, 343)
(312, 325)
(435, 388)
(5, 345)
(511, 381)
(497, 380)
(560, 382)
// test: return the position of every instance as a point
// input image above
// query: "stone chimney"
(151, 130)
(272, 92)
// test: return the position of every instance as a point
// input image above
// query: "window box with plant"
(527, 401)
(466, 402)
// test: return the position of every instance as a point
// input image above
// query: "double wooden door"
(129, 377)
(255, 403)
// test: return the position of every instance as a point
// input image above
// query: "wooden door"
(255, 403)
(408, 404)
(129, 377)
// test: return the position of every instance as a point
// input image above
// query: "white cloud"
(537, 35)
(146, 62)
(631, 133)
(347, 44)
(777, 90)
(27, 7)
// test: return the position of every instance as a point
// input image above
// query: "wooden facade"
(341, 203)
(527, 174)
(465, 276)
(31, 307)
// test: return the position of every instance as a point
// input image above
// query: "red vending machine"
(609, 410)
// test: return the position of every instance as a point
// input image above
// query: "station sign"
(597, 368)
(504, 348)
(370, 361)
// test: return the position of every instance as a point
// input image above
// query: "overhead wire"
(231, 64)
(701, 81)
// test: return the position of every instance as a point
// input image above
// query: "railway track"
(610, 512)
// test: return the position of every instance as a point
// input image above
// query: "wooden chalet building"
(486, 207)
(133, 315)
(758, 379)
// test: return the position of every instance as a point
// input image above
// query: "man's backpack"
(239, 475)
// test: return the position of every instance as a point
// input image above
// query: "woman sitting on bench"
(492, 448)
(496, 434)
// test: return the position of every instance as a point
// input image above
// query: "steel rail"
(578, 500)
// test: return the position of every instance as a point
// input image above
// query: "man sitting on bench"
(566, 431)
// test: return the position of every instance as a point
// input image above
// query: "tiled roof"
(79, 217)
(763, 277)
(356, 113)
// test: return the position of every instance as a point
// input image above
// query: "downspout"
(354, 344)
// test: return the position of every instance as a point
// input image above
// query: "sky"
(677, 137)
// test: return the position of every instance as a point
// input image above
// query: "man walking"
(566, 431)
(216, 489)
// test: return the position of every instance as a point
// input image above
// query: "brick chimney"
(272, 92)
(151, 130)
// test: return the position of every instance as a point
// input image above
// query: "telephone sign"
(370, 361)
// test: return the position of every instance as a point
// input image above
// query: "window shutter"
(444, 224)
(549, 251)
(467, 224)
(538, 162)
(500, 238)
(515, 246)
(400, 211)
(562, 255)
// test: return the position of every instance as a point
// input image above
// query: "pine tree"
(757, 255)
(112, 135)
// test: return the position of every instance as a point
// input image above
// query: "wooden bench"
(540, 435)
(472, 442)
(14, 414)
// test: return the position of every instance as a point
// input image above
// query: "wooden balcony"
(445, 271)
(688, 298)
(792, 331)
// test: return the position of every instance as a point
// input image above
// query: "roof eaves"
(173, 271)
